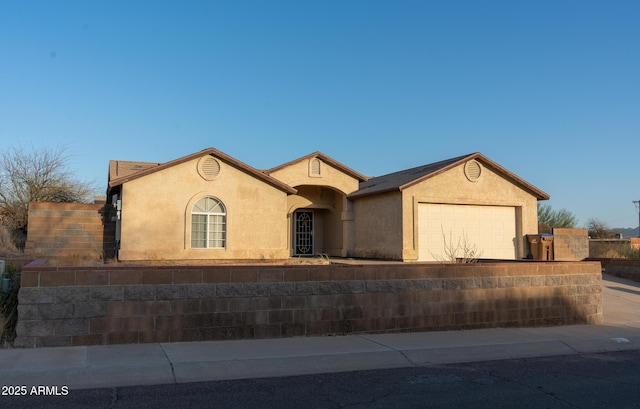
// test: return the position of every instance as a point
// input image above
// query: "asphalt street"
(604, 380)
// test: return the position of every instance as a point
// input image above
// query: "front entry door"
(303, 233)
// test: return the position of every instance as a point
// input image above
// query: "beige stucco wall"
(386, 225)
(298, 174)
(156, 209)
(453, 187)
(378, 226)
(325, 194)
(156, 221)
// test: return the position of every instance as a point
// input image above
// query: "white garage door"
(489, 229)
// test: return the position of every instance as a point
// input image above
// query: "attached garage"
(432, 212)
(446, 230)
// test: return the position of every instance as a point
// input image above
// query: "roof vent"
(208, 168)
(314, 168)
(472, 170)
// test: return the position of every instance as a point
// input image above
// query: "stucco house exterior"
(209, 205)
(428, 208)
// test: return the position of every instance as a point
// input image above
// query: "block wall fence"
(612, 249)
(74, 231)
(628, 268)
(570, 244)
(64, 306)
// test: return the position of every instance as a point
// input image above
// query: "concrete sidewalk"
(149, 364)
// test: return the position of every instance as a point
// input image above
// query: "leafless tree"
(599, 229)
(462, 251)
(35, 175)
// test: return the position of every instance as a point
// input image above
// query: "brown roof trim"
(539, 194)
(395, 181)
(356, 195)
(439, 171)
(209, 151)
(324, 158)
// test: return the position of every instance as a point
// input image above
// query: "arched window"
(208, 224)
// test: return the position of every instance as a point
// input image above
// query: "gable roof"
(209, 151)
(122, 168)
(326, 159)
(403, 179)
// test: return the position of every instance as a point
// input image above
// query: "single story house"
(209, 205)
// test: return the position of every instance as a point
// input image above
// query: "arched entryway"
(317, 221)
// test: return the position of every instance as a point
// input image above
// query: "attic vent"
(314, 167)
(208, 168)
(472, 170)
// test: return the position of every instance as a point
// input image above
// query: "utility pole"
(637, 203)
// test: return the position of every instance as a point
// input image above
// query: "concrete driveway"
(621, 305)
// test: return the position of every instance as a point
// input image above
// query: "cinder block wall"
(113, 304)
(607, 248)
(570, 244)
(70, 230)
(628, 268)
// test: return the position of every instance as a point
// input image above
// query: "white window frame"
(213, 225)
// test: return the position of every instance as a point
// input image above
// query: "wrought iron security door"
(303, 233)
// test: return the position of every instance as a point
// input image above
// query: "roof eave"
(439, 171)
(539, 194)
(209, 151)
(356, 195)
(325, 158)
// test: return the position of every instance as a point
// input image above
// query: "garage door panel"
(489, 229)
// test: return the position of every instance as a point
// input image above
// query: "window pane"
(214, 205)
(200, 206)
(198, 230)
(217, 231)
(208, 229)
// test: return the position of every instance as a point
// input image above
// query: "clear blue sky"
(548, 89)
